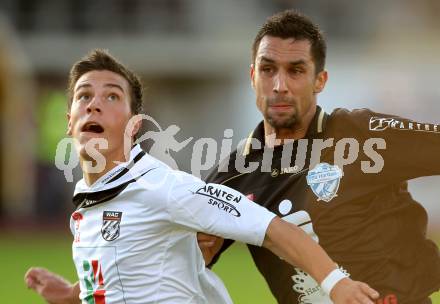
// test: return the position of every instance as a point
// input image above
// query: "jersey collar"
(117, 175)
(114, 181)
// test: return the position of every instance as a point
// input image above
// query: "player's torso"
(348, 210)
(126, 250)
(284, 190)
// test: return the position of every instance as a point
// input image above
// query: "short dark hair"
(100, 60)
(292, 24)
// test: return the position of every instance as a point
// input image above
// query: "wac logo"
(111, 225)
(324, 181)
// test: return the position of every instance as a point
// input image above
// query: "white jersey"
(135, 234)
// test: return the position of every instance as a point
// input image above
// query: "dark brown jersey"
(346, 181)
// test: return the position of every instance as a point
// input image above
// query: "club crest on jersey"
(324, 181)
(111, 225)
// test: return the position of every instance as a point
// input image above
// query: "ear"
(137, 123)
(252, 74)
(320, 81)
(69, 125)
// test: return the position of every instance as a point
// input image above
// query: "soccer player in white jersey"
(136, 220)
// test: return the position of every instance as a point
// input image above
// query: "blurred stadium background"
(193, 56)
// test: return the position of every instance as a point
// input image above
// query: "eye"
(267, 69)
(296, 71)
(113, 97)
(83, 97)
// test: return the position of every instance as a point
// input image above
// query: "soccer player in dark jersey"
(341, 176)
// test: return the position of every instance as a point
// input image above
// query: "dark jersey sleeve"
(391, 148)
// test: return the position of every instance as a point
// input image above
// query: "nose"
(280, 83)
(94, 105)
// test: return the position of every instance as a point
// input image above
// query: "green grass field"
(18, 253)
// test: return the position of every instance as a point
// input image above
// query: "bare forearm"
(52, 287)
(297, 248)
(75, 293)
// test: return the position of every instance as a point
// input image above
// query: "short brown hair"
(292, 24)
(99, 60)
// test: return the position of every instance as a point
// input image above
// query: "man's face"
(283, 77)
(100, 109)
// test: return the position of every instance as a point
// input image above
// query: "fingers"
(373, 294)
(36, 278)
(366, 294)
(348, 291)
(52, 287)
(30, 282)
(363, 299)
(31, 278)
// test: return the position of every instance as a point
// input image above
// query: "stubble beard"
(282, 121)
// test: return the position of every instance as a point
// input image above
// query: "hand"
(52, 287)
(348, 291)
(209, 245)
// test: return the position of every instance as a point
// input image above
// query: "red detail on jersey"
(97, 271)
(77, 217)
(99, 296)
(388, 299)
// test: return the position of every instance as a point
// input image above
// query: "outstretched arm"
(52, 287)
(297, 248)
(219, 210)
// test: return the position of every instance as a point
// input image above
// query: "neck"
(275, 137)
(95, 168)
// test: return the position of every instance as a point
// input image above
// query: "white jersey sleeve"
(217, 209)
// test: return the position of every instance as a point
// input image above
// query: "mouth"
(92, 127)
(281, 107)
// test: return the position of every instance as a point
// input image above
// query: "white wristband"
(331, 280)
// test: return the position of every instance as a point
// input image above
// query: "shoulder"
(350, 122)
(346, 114)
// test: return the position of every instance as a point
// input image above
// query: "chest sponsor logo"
(111, 221)
(324, 181)
(221, 199)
